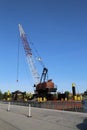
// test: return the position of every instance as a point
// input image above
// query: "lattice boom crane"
(44, 87)
(29, 56)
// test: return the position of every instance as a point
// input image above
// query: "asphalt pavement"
(14, 117)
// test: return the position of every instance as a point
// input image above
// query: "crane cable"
(18, 63)
(36, 54)
(18, 59)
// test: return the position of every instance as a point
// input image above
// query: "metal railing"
(57, 105)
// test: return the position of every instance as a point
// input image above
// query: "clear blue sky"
(58, 29)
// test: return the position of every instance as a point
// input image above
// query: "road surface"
(17, 118)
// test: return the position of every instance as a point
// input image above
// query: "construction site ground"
(16, 117)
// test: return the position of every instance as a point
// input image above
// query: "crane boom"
(29, 56)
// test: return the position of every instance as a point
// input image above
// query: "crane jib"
(26, 45)
(28, 53)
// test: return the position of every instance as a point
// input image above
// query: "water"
(84, 102)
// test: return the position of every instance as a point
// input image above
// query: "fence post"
(29, 111)
(8, 106)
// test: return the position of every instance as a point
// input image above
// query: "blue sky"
(58, 29)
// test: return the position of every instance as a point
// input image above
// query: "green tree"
(1, 95)
(29, 96)
(67, 94)
(85, 93)
(5, 95)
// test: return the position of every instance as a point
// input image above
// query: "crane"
(29, 56)
(43, 85)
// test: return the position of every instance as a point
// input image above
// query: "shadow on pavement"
(83, 125)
